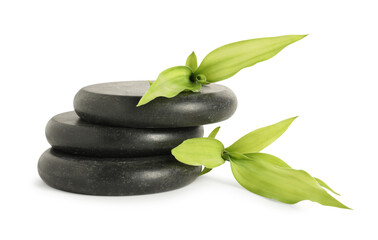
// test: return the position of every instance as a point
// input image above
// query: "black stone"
(68, 133)
(115, 104)
(114, 176)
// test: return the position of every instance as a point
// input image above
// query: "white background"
(50, 49)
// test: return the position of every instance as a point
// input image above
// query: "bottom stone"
(114, 176)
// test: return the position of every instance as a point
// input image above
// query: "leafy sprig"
(220, 64)
(260, 173)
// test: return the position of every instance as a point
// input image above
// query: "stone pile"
(108, 146)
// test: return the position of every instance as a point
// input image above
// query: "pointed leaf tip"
(214, 133)
(226, 61)
(205, 170)
(259, 139)
(280, 163)
(281, 183)
(323, 184)
(191, 61)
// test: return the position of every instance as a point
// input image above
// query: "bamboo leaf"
(169, 83)
(268, 158)
(283, 184)
(200, 151)
(259, 139)
(226, 61)
(280, 163)
(205, 170)
(323, 184)
(214, 133)
(211, 135)
(191, 61)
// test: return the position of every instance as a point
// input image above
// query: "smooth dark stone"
(115, 104)
(68, 133)
(114, 176)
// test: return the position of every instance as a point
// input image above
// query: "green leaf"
(211, 135)
(205, 170)
(259, 139)
(200, 151)
(169, 83)
(191, 61)
(283, 184)
(323, 184)
(214, 132)
(268, 158)
(226, 61)
(280, 163)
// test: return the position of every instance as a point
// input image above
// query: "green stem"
(201, 78)
(226, 156)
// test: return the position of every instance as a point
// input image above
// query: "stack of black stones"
(108, 146)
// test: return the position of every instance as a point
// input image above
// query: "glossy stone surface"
(114, 176)
(115, 104)
(68, 133)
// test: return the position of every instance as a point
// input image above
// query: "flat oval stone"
(115, 104)
(68, 133)
(114, 176)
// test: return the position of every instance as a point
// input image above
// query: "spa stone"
(115, 104)
(68, 133)
(114, 176)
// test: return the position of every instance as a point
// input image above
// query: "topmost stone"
(114, 104)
